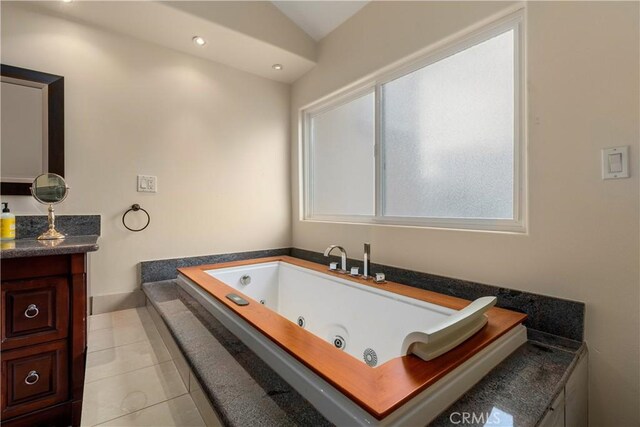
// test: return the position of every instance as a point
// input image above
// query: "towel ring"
(135, 208)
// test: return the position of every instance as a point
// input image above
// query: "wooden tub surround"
(380, 390)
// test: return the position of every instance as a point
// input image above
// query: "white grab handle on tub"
(447, 335)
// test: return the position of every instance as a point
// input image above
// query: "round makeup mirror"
(50, 189)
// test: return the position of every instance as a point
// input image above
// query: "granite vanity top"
(245, 391)
(32, 247)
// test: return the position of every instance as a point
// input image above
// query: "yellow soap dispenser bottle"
(7, 223)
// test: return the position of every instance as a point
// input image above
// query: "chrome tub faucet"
(343, 256)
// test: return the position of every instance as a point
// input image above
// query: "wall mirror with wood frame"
(32, 128)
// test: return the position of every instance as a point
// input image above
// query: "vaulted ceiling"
(252, 36)
(319, 18)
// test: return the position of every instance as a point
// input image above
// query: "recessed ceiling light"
(277, 67)
(67, 1)
(199, 41)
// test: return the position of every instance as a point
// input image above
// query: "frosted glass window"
(448, 136)
(432, 143)
(342, 179)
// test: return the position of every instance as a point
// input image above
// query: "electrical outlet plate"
(147, 184)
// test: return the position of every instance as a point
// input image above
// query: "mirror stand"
(51, 233)
(50, 189)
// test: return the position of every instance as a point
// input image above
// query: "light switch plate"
(615, 162)
(147, 184)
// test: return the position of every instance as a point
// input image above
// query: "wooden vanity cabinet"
(44, 340)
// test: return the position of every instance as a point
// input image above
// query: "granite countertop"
(32, 247)
(245, 391)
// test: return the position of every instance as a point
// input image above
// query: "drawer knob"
(31, 311)
(32, 378)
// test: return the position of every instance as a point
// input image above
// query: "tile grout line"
(142, 322)
(94, 329)
(111, 327)
(142, 409)
(149, 406)
(137, 369)
(120, 345)
(129, 343)
(133, 370)
(142, 367)
(116, 346)
(145, 326)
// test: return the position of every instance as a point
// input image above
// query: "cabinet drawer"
(54, 416)
(34, 377)
(34, 311)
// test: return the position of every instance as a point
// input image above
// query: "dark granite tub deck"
(554, 316)
(240, 386)
(245, 391)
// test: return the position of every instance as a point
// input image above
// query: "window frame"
(373, 83)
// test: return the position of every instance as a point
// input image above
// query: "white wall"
(583, 233)
(216, 138)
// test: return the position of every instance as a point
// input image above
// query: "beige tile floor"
(131, 379)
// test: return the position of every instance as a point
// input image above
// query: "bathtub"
(361, 353)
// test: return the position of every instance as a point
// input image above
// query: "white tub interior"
(366, 317)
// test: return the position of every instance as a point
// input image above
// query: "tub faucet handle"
(379, 278)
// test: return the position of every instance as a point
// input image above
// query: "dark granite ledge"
(550, 340)
(523, 386)
(165, 269)
(31, 226)
(242, 388)
(519, 390)
(32, 247)
(550, 315)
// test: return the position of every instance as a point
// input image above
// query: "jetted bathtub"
(361, 353)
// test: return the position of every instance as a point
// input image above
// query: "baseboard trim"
(113, 302)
